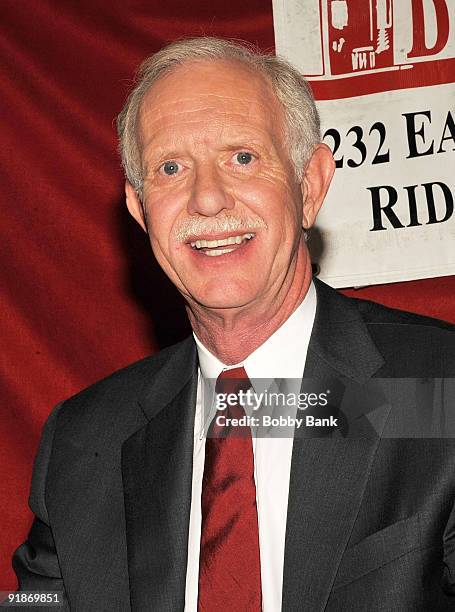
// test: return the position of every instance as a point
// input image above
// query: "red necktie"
(229, 564)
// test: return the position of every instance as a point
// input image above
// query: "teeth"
(219, 252)
(210, 244)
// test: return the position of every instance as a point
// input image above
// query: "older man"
(136, 508)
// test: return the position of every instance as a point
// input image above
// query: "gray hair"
(302, 125)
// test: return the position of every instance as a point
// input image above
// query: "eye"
(170, 167)
(243, 158)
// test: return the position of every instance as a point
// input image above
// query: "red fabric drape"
(82, 295)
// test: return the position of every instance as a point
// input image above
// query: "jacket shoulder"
(377, 314)
(115, 398)
(417, 345)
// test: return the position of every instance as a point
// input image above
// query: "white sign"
(382, 72)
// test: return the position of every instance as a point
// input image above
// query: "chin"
(223, 296)
(222, 304)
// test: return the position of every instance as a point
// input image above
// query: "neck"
(233, 334)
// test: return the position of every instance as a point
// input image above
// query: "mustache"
(197, 226)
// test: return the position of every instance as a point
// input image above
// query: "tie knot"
(233, 381)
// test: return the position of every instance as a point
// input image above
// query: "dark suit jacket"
(371, 519)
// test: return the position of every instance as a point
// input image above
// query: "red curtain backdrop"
(82, 295)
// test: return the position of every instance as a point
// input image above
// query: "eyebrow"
(162, 154)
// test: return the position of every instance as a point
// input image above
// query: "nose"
(208, 194)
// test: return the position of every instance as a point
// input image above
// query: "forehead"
(198, 91)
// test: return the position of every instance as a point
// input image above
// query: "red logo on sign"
(360, 40)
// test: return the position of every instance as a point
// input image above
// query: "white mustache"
(197, 226)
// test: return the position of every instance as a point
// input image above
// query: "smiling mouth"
(221, 246)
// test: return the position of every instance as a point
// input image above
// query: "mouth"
(221, 246)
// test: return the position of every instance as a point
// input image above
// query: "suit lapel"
(328, 474)
(157, 474)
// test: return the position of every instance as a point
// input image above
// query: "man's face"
(223, 209)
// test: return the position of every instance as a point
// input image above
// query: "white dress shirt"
(282, 355)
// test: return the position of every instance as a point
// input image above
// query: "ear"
(317, 176)
(134, 205)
